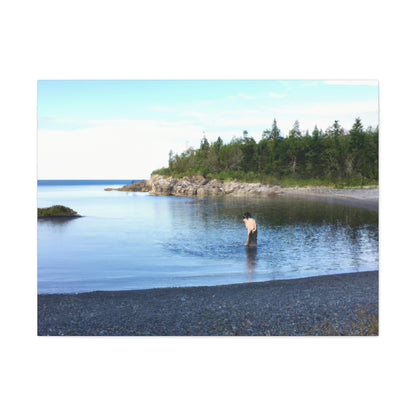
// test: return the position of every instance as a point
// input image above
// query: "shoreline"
(365, 198)
(277, 307)
(200, 187)
(64, 217)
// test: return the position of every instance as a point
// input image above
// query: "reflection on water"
(251, 253)
(133, 241)
(57, 221)
(56, 224)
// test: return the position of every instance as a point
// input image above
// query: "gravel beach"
(324, 305)
(366, 198)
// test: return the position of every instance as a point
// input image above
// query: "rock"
(197, 185)
(202, 187)
(57, 211)
(142, 186)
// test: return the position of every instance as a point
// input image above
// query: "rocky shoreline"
(198, 186)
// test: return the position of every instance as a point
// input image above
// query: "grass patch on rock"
(57, 211)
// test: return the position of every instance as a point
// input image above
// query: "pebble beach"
(322, 305)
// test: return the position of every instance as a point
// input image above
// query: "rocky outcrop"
(142, 186)
(198, 186)
(57, 211)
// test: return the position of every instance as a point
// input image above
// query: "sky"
(125, 129)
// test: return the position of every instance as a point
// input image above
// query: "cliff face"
(198, 186)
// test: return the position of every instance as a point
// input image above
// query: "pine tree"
(295, 132)
(335, 131)
(275, 132)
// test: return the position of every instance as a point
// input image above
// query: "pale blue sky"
(151, 117)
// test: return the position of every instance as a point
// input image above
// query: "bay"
(138, 241)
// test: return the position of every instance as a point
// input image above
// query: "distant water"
(135, 241)
(49, 182)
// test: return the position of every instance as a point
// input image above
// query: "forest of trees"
(332, 157)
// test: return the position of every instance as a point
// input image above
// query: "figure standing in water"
(252, 230)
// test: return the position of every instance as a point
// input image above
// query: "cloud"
(333, 109)
(231, 123)
(54, 123)
(323, 114)
(113, 150)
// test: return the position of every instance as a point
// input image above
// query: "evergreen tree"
(275, 132)
(295, 132)
(294, 145)
(204, 147)
(335, 131)
(218, 145)
(357, 145)
(351, 157)
(316, 134)
(248, 149)
(171, 159)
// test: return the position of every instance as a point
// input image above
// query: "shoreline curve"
(200, 187)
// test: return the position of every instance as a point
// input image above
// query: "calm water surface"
(137, 241)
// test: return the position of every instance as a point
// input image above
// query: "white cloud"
(322, 114)
(325, 113)
(113, 150)
(333, 109)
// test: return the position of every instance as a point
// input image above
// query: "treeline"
(331, 157)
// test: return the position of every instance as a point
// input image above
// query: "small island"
(57, 211)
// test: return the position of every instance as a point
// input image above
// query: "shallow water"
(137, 241)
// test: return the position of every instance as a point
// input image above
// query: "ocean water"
(138, 241)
